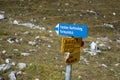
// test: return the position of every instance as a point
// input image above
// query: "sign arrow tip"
(57, 28)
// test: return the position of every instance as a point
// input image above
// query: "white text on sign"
(71, 28)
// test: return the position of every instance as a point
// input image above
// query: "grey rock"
(21, 66)
(12, 76)
(4, 67)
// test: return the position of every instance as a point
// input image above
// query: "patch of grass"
(48, 63)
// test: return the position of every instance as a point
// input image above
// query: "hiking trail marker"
(72, 43)
(72, 30)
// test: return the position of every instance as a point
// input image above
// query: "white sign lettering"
(71, 28)
(66, 32)
(75, 28)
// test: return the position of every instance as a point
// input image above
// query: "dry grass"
(48, 63)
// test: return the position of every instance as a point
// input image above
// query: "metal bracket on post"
(68, 72)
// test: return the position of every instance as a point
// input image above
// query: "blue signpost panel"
(72, 30)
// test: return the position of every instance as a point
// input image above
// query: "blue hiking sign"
(72, 30)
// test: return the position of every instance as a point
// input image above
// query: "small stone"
(49, 46)
(104, 65)
(21, 66)
(12, 76)
(7, 60)
(79, 76)
(25, 54)
(93, 47)
(117, 64)
(37, 37)
(19, 73)
(2, 16)
(15, 22)
(13, 63)
(4, 67)
(114, 13)
(32, 43)
(1, 78)
(4, 51)
(12, 40)
(37, 79)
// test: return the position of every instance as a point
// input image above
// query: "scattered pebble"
(32, 50)
(3, 12)
(37, 37)
(4, 51)
(51, 35)
(79, 77)
(1, 78)
(44, 18)
(114, 13)
(12, 40)
(37, 79)
(13, 63)
(29, 25)
(92, 12)
(50, 31)
(84, 59)
(93, 50)
(21, 39)
(32, 43)
(12, 76)
(19, 73)
(21, 66)
(109, 25)
(93, 47)
(7, 60)
(104, 39)
(49, 46)
(118, 40)
(104, 65)
(46, 52)
(25, 54)
(15, 22)
(117, 64)
(104, 46)
(66, 4)
(1, 39)
(4, 67)
(2, 16)
(26, 32)
(16, 49)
